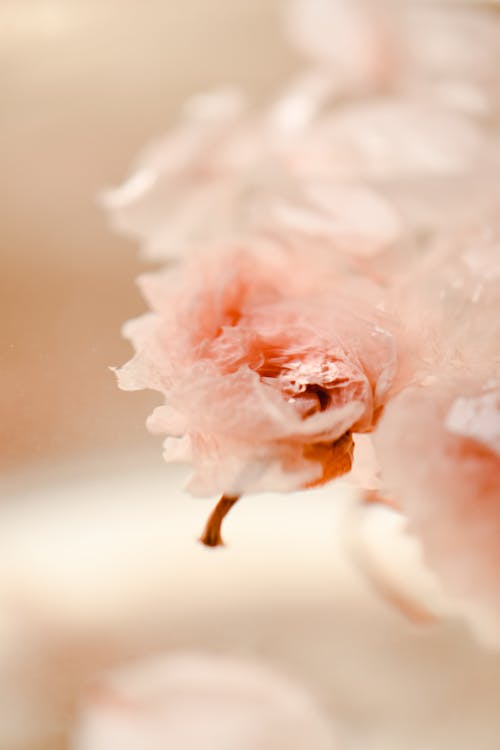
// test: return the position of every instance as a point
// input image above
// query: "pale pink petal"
(438, 442)
(447, 54)
(190, 701)
(353, 38)
(437, 447)
(150, 205)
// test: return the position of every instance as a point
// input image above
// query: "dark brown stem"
(211, 536)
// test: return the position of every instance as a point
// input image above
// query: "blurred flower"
(190, 701)
(396, 91)
(448, 56)
(439, 448)
(439, 442)
(299, 169)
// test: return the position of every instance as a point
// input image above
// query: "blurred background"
(85, 85)
(99, 561)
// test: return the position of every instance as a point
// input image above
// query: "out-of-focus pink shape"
(227, 173)
(354, 39)
(438, 442)
(448, 55)
(449, 302)
(268, 361)
(193, 701)
(439, 451)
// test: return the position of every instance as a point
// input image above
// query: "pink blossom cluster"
(332, 268)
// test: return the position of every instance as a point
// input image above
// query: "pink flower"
(438, 442)
(192, 701)
(425, 49)
(268, 361)
(300, 169)
(226, 174)
(353, 38)
(439, 449)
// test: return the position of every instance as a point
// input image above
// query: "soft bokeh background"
(85, 84)
(98, 554)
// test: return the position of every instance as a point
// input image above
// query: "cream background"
(85, 84)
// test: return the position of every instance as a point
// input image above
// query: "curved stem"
(211, 536)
